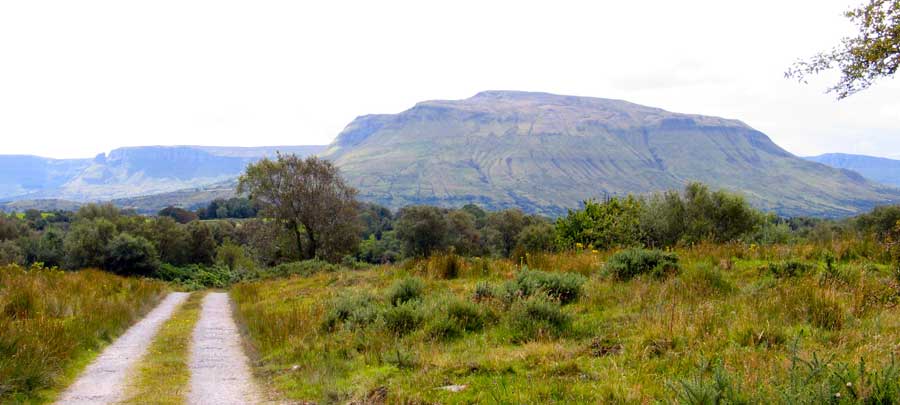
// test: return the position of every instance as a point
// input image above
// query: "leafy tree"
(422, 229)
(11, 253)
(85, 244)
(539, 237)
(308, 197)
(873, 54)
(96, 211)
(376, 220)
(462, 234)
(505, 226)
(170, 239)
(51, 248)
(614, 222)
(181, 215)
(11, 227)
(388, 249)
(131, 255)
(201, 244)
(234, 257)
(479, 214)
(269, 242)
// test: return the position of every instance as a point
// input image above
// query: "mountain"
(882, 170)
(129, 172)
(545, 153)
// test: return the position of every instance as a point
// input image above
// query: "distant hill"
(882, 170)
(545, 152)
(129, 172)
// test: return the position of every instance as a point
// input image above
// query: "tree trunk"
(299, 238)
(312, 243)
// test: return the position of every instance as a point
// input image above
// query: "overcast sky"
(82, 77)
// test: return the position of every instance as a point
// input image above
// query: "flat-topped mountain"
(129, 172)
(545, 152)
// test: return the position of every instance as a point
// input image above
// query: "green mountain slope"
(882, 170)
(545, 152)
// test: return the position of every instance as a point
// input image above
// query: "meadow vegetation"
(53, 322)
(736, 323)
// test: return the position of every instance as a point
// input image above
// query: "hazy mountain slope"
(545, 152)
(882, 170)
(129, 172)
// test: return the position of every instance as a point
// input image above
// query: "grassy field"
(162, 376)
(734, 324)
(53, 322)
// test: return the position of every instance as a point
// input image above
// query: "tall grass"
(51, 321)
(560, 328)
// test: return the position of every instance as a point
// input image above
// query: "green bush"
(405, 290)
(403, 318)
(563, 287)
(196, 277)
(303, 268)
(484, 291)
(131, 255)
(537, 317)
(789, 268)
(352, 310)
(451, 317)
(630, 263)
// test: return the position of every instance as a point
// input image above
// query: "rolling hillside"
(545, 152)
(882, 170)
(129, 172)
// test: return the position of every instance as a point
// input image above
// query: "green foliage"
(789, 268)
(422, 229)
(352, 311)
(196, 277)
(502, 229)
(451, 317)
(614, 222)
(873, 54)
(11, 253)
(388, 249)
(484, 291)
(86, 243)
(539, 237)
(537, 317)
(403, 318)
(304, 268)
(720, 388)
(405, 290)
(131, 255)
(630, 263)
(563, 287)
(234, 257)
(180, 215)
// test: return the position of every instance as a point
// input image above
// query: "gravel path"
(220, 372)
(103, 381)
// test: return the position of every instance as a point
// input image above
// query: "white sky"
(82, 77)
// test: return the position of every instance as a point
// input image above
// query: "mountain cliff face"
(545, 153)
(129, 172)
(881, 170)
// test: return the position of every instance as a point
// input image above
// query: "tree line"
(297, 209)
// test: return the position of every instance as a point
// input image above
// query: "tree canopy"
(873, 54)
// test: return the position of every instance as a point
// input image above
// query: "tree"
(86, 242)
(131, 255)
(422, 229)
(614, 222)
(201, 244)
(503, 230)
(871, 55)
(181, 215)
(310, 199)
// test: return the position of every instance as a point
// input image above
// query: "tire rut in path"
(103, 381)
(220, 371)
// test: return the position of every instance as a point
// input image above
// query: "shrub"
(403, 318)
(537, 317)
(303, 268)
(352, 310)
(10, 253)
(539, 237)
(451, 317)
(483, 291)
(563, 287)
(195, 276)
(128, 255)
(789, 268)
(405, 290)
(627, 264)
